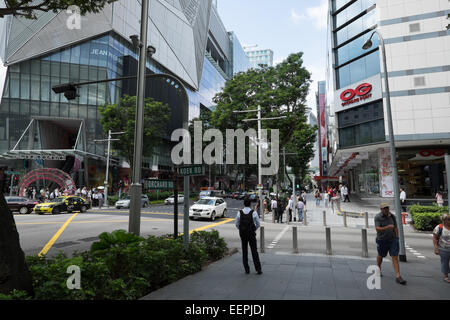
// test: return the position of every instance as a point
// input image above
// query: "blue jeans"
(318, 202)
(300, 214)
(445, 261)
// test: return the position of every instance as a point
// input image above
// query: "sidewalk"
(305, 277)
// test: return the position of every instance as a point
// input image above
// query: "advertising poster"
(386, 179)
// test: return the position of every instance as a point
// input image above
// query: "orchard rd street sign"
(154, 184)
(197, 170)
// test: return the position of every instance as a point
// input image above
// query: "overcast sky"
(286, 26)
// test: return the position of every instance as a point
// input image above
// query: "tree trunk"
(14, 273)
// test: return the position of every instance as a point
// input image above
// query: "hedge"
(121, 266)
(426, 218)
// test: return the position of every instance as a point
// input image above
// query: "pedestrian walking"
(266, 205)
(441, 241)
(326, 197)
(290, 207)
(247, 222)
(439, 199)
(34, 193)
(387, 239)
(403, 199)
(345, 193)
(100, 199)
(304, 197)
(274, 207)
(300, 208)
(317, 196)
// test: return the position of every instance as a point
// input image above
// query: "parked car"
(208, 207)
(171, 199)
(210, 193)
(253, 197)
(125, 202)
(21, 204)
(62, 204)
(242, 195)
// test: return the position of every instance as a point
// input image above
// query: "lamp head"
(367, 44)
(151, 50)
(135, 40)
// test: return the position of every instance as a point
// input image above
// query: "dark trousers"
(279, 215)
(290, 214)
(250, 240)
(346, 198)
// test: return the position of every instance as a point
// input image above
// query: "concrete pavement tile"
(293, 294)
(349, 293)
(322, 297)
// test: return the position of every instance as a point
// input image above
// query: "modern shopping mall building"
(39, 128)
(418, 63)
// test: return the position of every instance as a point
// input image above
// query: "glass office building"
(96, 55)
(259, 56)
(417, 45)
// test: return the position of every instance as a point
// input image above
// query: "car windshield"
(205, 193)
(206, 201)
(59, 199)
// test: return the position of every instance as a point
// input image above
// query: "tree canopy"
(120, 117)
(28, 8)
(280, 91)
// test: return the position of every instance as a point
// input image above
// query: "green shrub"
(426, 221)
(112, 199)
(419, 209)
(121, 266)
(211, 243)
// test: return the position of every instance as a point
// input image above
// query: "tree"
(121, 118)
(28, 8)
(280, 91)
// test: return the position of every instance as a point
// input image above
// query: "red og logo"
(361, 90)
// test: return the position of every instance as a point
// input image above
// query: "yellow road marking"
(210, 226)
(92, 221)
(56, 236)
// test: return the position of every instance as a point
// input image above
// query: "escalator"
(66, 167)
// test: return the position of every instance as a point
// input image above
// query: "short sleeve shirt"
(444, 240)
(382, 221)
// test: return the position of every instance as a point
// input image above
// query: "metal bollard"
(324, 218)
(294, 239)
(366, 217)
(305, 214)
(328, 240)
(345, 219)
(262, 239)
(365, 250)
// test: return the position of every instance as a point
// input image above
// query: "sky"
(285, 26)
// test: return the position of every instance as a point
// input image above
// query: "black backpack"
(246, 225)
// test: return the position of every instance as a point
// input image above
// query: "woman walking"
(441, 241)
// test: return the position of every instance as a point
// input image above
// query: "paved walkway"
(305, 277)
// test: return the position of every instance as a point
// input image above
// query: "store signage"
(154, 184)
(362, 92)
(432, 152)
(358, 93)
(40, 157)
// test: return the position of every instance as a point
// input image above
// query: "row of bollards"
(344, 215)
(365, 250)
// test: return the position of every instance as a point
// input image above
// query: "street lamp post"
(106, 184)
(367, 45)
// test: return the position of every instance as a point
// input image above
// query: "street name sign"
(196, 170)
(154, 184)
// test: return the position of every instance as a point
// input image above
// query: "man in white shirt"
(247, 222)
(300, 207)
(290, 208)
(345, 192)
(275, 212)
(403, 199)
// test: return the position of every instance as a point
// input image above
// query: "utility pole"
(106, 184)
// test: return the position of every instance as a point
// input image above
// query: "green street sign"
(195, 170)
(154, 184)
(12, 172)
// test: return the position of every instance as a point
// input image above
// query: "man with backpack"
(247, 222)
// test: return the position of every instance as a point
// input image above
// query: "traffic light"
(69, 90)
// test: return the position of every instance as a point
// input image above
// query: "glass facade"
(241, 62)
(28, 92)
(352, 26)
(361, 125)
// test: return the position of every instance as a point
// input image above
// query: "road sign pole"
(186, 213)
(175, 206)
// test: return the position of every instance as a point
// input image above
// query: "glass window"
(84, 53)
(73, 111)
(15, 85)
(74, 73)
(53, 96)
(25, 86)
(45, 88)
(343, 76)
(65, 56)
(45, 68)
(65, 70)
(24, 107)
(34, 108)
(35, 87)
(83, 92)
(35, 66)
(55, 69)
(75, 55)
(84, 72)
(6, 87)
(357, 70)
(64, 109)
(92, 95)
(44, 110)
(54, 110)
(365, 22)
(372, 62)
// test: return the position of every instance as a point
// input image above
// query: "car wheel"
(56, 211)
(224, 214)
(83, 209)
(213, 216)
(23, 210)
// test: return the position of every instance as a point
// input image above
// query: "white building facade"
(418, 62)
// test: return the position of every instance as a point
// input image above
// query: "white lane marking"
(277, 238)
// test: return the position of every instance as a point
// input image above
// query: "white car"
(125, 203)
(208, 207)
(171, 199)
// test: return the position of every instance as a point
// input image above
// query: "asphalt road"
(51, 234)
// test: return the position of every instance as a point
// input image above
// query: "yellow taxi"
(62, 204)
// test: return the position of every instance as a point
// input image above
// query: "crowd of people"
(94, 196)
